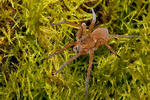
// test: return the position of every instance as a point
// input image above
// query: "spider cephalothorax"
(87, 42)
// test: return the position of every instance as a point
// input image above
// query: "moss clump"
(26, 37)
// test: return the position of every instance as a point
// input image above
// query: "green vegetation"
(26, 37)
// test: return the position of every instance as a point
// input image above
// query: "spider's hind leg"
(125, 36)
(110, 48)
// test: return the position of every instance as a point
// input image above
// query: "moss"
(27, 36)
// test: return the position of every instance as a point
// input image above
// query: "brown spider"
(88, 43)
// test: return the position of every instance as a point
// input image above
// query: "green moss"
(27, 36)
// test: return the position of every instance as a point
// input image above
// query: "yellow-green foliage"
(27, 36)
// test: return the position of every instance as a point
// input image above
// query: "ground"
(27, 36)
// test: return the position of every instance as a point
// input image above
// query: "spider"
(87, 42)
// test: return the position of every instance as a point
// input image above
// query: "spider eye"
(82, 42)
(76, 49)
(83, 24)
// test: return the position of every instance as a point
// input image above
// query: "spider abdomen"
(99, 33)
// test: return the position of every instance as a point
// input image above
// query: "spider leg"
(67, 22)
(124, 36)
(99, 43)
(60, 51)
(70, 60)
(92, 23)
(81, 32)
(121, 36)
(89, 69)
(109, 47)
(67, 62)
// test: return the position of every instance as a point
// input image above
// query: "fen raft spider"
(87, 42)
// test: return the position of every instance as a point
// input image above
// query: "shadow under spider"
(87, 42)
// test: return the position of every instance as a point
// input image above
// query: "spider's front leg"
(70, 60)
(81, 31)
(88, 73)
(67, 62)
(60, 51)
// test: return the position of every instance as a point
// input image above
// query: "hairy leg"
(124, 36)
(70, 60)
(109, 47)
(60, 51)
(92, 23)
(81, 31)
(88, 73)
(121, 36)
